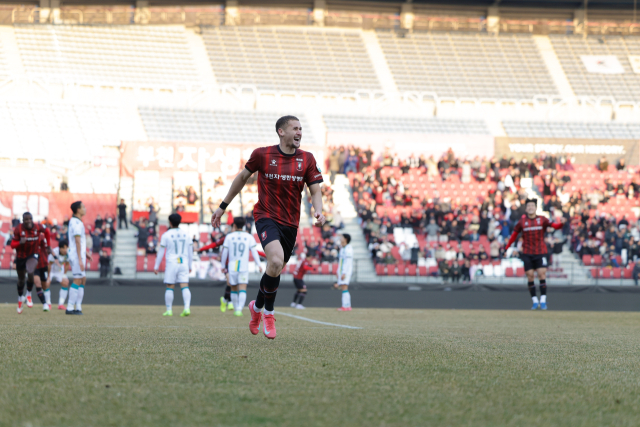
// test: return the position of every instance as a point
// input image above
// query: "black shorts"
(534, 262)
(269, 230)
(21, 263)
(41, 273)
(299, 284)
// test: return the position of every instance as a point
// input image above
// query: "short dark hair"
(283, 121)
(534, 201)
(75, 206)
(347, 237)
(175, 219)
(63, 244)
(239, 222)
(27, 213)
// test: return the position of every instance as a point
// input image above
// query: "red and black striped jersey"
(301, 268)
(43, 255)
(32, 245)
(533, 230)
(281, 180)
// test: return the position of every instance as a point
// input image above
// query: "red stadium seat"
(423, 271)
(411, 270)
(140, 263)
(325, 269)
(379, 269)
(628, 273)
(606, 273)
(595, 273)
(334, 268)
(163, 265)
(433, 271)
(597, 260)
(520, 272)
(151, 262)
(587, 259)
(508, 272)
(617, 273)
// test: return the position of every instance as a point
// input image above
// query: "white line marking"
(317, 321)
(150, 326)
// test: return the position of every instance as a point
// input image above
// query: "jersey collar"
(288, 155)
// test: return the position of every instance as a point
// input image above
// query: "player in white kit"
(178, 248)
(77, 258)
(345, 269)
(236, 248)
(58, 262)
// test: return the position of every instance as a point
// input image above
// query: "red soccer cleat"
(19, 307)
(269, 326)
(29, 301)
(61, 307)
(344, 309)
(254, 323)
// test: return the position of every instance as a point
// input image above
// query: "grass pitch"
(129, 366)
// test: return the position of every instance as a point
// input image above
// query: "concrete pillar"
(319, 9)
(406, 16)
(231, 14)
(49, 11)
(142, 13)
(579, 21)
(493, 20)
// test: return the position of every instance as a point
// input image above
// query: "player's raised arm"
(316, 201)
(236, 186)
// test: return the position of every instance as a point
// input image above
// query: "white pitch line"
(317, 321)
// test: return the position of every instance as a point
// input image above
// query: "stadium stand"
(181, 124)
(581, 130)
(352, 123)
(467, 65)
(622, 87)
(59, 130)
(127, 54)
(283, 59)
(4, 72)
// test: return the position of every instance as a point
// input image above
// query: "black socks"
(543, 287)
(301, 296)
(40, 294)
(20, 289)
(227, 293)
(267, 293)
(29, 286)
(532, 288)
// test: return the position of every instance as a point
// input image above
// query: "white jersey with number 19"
(238, 244)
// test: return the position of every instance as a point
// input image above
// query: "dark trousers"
(120, 221)
(104, 270)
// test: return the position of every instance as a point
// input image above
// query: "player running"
(303, 266)
(283, 169)
(78, 256)
(179, 252)
(235, 250)
(345, 269)
(26, 241)
(58, 263)
(40, 275)
(534, 249)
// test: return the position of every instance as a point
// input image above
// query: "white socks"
(234, 299)
(242, 298)
(168, 298)
(47, 296)
(257, 310)
(346, 299)
(269, 312)
(63, 295)
(186, 296)
(79, 297)
(535, 300)
(543, 298)
(73, 295)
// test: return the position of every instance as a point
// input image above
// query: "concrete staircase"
(380, 65)
(553, 65)
(342, 197)
(124, 253)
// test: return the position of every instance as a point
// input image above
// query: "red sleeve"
(15, 243)
(47, 236)
(308, 268)
(253, 165)
(516, 230)
(555, 225)
(262, 254)
(313, 174)
(16, 233)
(211, 245)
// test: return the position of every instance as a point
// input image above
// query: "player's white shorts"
(238, 278)
(176, 273)
(344, 282)
(57, 277)
(75, 268)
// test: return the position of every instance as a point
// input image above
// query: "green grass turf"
(129, 366)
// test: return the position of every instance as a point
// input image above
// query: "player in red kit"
(303, 266)
(534, 249)
(283, 170)
(26, 242)
(40, 275)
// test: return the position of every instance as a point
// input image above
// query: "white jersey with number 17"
(178, 246)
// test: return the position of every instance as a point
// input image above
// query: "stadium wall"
(585, 151)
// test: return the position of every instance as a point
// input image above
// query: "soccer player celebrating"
(179, 251)
(235, 251)
(26, 241)
(58, 262)
(301, 269)
(78, 256)
(345, 269)
(534, 249)
(283, 169)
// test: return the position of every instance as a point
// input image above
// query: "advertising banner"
(602, 64)
(585, 151)
(405, 144)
